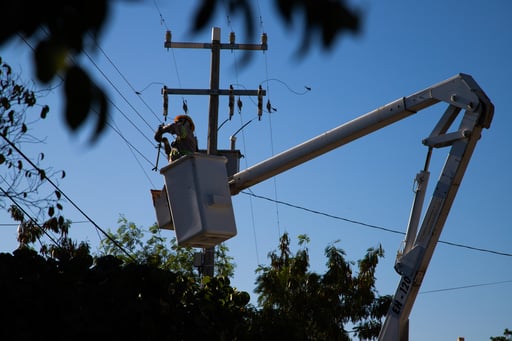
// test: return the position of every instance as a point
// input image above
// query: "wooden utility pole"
(214, 92)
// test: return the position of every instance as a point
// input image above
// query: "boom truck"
(212, 207)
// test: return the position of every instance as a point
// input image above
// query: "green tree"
(302, 305)
(157, 251)
(507, 336)
(62, 30)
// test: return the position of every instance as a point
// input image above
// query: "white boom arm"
(461, 92)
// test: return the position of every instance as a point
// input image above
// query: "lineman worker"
(185, 142)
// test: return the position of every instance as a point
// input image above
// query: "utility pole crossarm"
(220, 92)
(253, 47)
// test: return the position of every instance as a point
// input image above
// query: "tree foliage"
(113, 298)
(75, 299)
(507, 336)
(302, 305)
(57, 246)
(23, 177)
(160, 252)
(64, 29)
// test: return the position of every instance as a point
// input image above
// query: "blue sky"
(403, 47)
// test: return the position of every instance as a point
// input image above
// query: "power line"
(370, 225)
(120, 94)
(111, 102)
(41, 172)
(124, 78)
(128, 142)
(466, 287)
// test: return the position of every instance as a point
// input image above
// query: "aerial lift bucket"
(199, 200)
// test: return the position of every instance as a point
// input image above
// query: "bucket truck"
(462, 94)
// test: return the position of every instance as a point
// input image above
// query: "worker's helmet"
(187, 119)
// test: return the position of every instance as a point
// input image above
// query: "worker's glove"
(159, 132)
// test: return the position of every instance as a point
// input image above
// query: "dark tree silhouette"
(62, 29)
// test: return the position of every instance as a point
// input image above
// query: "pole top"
(216, 34)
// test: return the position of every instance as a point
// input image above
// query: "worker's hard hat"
(186, 118)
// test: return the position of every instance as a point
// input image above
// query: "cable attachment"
(260, 102)
(239, 104)
(264, 40)
(166, 102)
(270, 108)
(185, 107)
(168, 37)
(231, 101)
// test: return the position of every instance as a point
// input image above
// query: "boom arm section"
(461, 93)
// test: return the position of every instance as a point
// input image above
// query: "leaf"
(5, 102)
(42, 174)
(44, 111)
(58, 194)
(102, 110)
(20, 165)
(63, 175)
(51, 211)
(23, 128)
(41, 156)
(46, 60)
(203, 14)
(77, 88)
(2, 158)
(59, 207)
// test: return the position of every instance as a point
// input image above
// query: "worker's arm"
(168, 128)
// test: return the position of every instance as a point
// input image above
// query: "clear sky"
(403, 47)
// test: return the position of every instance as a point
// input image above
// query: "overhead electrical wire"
(132, 148)
(40, 171)
(55, 186)
(124, 78)
(122, 96)
(466, 287)
(175, 64)
(269, 108)
(243, 125)
(385, 229)
(111, 102)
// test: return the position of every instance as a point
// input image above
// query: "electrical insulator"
(239, 104)
(168, 36)
(232, 38)
(269, 106)
(260, 102)
(185, 107)
(231, 102)
(166, 102)
(263, 38)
